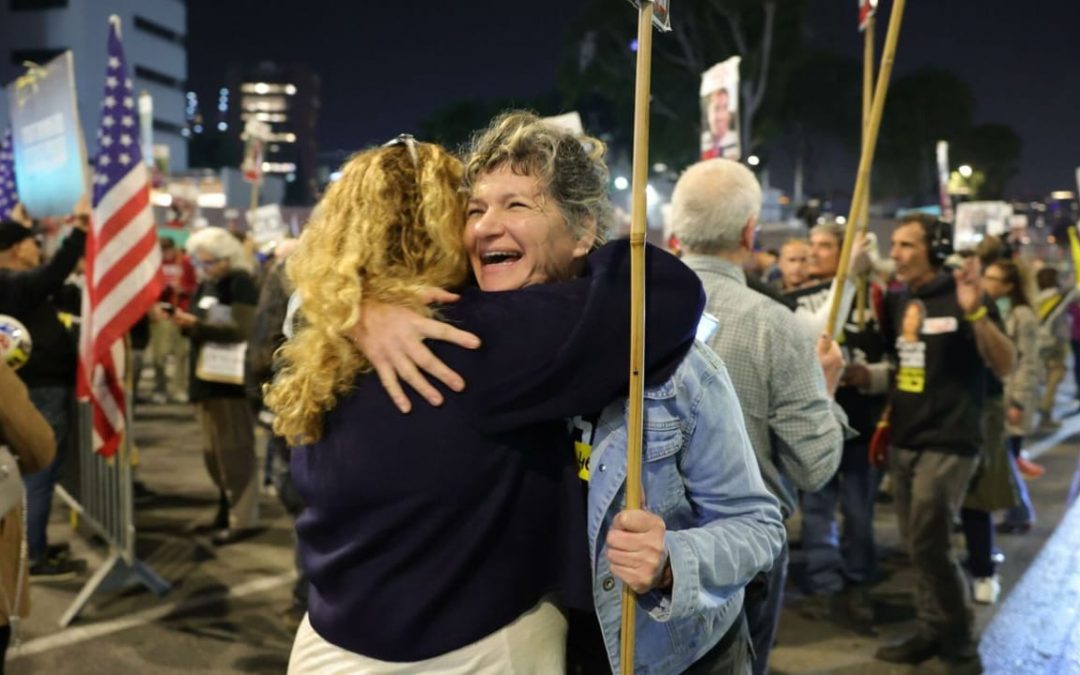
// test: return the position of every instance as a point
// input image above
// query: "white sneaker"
(987, 590)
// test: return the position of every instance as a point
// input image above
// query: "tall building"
(154, 34)
(287, 99)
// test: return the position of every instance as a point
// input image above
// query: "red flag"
(123, 259)
(867, 8)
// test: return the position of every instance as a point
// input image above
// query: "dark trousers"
(290, 499)
(928, 488)
(1024, 514)
(764, 597)
(5, 640)
(833, 560)
(1076, 365)
(586, 654)
(54, 404)
(730, 656)
(979, 533)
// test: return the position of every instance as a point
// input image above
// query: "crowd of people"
(440, 365)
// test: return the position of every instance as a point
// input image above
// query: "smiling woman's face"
(515, 234)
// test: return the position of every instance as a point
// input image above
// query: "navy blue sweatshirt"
(425, 532)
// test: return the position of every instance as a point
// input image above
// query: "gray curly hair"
(571, 168)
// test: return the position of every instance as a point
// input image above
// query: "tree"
(452, 125)
(598, 78)
(817, 101)
(994, 151)
(922, 108)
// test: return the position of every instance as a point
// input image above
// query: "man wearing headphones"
(944, 337)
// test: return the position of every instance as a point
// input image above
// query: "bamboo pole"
(862, 181)
(634, 427)
(867, 103)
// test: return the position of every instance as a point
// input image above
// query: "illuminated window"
(278, 167)
(268, 88)
(265, 103)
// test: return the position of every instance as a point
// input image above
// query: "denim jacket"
(723, 526)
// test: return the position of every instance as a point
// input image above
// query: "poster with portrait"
(255, 136)
(911, 348)
(720, 111)
(50, 154)
(975, 220)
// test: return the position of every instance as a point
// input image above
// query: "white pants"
(534, 644)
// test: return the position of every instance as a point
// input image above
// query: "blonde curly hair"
(391, 225)
(570, 168)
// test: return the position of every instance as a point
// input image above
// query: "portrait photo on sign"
(720, 111)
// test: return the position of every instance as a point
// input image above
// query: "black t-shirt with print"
(937, 395)
(586, 652)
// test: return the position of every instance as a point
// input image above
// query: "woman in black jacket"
(219, 325)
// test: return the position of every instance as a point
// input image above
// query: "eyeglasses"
(203, 262)
(998, 279)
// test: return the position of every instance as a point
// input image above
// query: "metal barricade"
(106, 505)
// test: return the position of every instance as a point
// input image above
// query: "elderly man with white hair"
(796, 430)
(219, 325)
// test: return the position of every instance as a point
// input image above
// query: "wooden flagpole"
(867, 102)
(634, 427)
(862, 181)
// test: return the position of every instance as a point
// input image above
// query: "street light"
(621, 183)
(965, 170)
(753, 160)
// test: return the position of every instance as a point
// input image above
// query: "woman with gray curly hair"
(219, 324)
(537, 206)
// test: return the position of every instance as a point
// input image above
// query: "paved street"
(222, 615)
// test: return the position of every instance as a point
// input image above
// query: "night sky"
(386, 66)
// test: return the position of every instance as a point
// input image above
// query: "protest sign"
(50, 154)
(719, 111)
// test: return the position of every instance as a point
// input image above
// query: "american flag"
(123, 260)
(9, 196)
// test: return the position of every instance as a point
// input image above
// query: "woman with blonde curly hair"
(433, 541)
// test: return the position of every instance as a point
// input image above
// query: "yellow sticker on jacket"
(583, 431)
(583, 451)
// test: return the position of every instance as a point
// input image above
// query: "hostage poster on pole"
(942, 152)
(255, 135)
(661, 13)
(50, 156)
(720, 111)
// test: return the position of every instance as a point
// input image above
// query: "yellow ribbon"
(27, 85)
(1074, 246)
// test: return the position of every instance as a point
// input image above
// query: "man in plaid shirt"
(795, 427)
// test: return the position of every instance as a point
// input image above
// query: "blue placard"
(50, 156)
